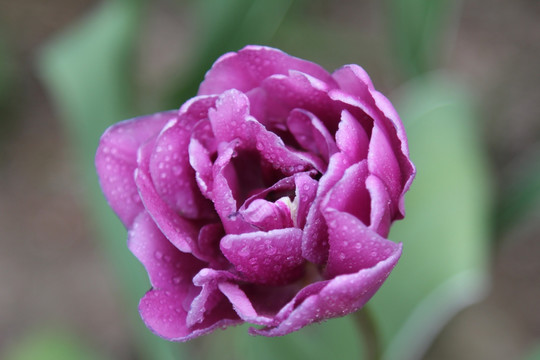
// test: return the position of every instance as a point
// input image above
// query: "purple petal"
(116, 160)
(172, 175)
(201, 148)
(338, 297)
(315, 239)
(225, 190)
(243, 305)
(179, 231)
(353, 246)
(299, 90)
(381, 213)
(273, 257)
(210, 306)
(306, 190)
(162, 314)
(165, 308)
(311, 134)
(407, 167)
(351, 138)
(246, 69)
(167, 267)
(208, 244)
(383, 163)
(266, 215)
(357, 91)
(350, 194)
(231, 122)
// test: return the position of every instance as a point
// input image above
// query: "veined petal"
(116, 161)
(273, 257)
(353, 246)
(247, 68)
(339, 296)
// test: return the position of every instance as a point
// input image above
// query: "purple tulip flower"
(267, 198)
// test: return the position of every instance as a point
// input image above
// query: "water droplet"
(177, 170)
(177, 279)
(270, 250)
(226, 243)
(244, 251)
(158, 255)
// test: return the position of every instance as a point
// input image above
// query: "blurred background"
(464, 75)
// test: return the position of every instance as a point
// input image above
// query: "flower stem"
(367, 326)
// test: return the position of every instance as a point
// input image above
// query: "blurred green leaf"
(6, 72)
(226, 26)
(8, 88)
(534, 354)
(417, 31)
(49, 345)
(334, 339)
(523, 195)
(88, 72)
(443, 266)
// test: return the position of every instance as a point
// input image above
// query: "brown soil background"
(52, 271)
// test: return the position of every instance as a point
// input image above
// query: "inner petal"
(266, 215)
(311, 134)
(272, 258)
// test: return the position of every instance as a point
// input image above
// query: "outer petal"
(353, 246)
(225, 191)
(306, 190)
(202, 147)
(315, 239)
(246, 69)
(167, 267)
(210, 306)
(165, 308)
(381, 212)
(116, 160)
(350, 193)
(299, 90)
(333, 298)
(352, 139)
(273, 257)
(243, 305)
(407, 167)
(179, 231)
(357, 90)
(161, 314)
(172, 175)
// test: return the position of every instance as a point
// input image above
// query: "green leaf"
(445, 232)
(88, 72)
(523, 194)
(49, 345)
(533, 354)
(417, 31)
(334, 339)
(226, 26)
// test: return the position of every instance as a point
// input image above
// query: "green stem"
(367, 326)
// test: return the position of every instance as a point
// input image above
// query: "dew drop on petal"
(226, 243)
(244, 251)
